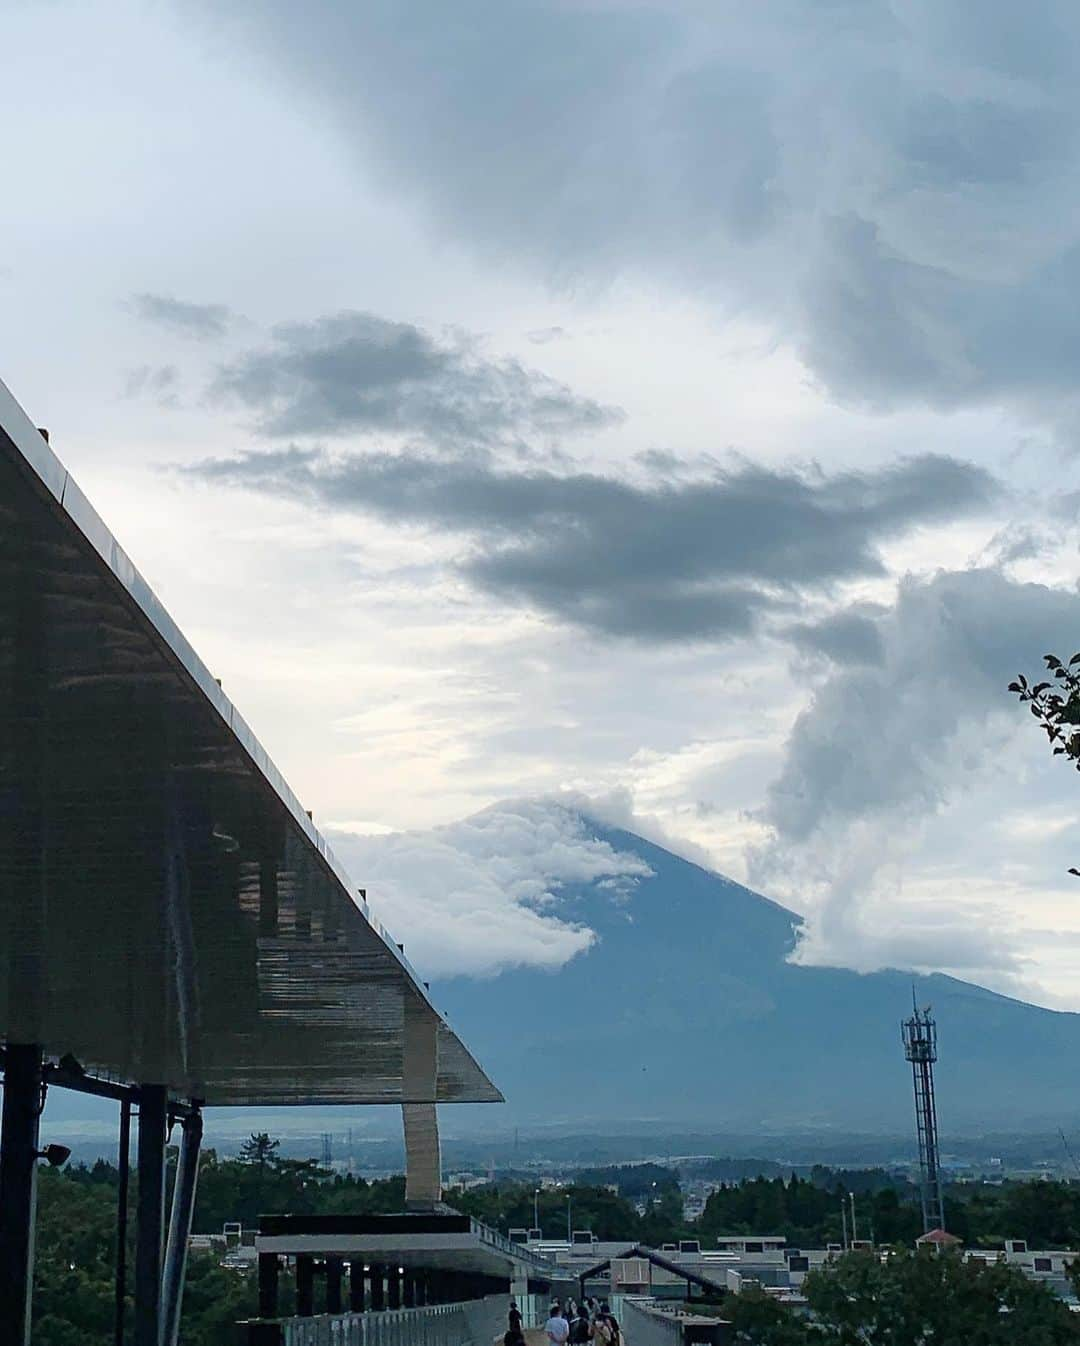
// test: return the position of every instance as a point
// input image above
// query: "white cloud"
(478, 896)
(880, 772)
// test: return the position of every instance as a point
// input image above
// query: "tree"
(259, 1150)
(924, 1297)
(759, 1320)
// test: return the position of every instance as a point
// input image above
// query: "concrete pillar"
(378, 1287)
(420, 1070)
(18, 1187)
(356, 1286)
(408, 1289)
(150, 1214)
(268, 1285)
(305, 1286)
(333, 1285)
(393, 1287)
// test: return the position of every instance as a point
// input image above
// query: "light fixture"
(54, 1155)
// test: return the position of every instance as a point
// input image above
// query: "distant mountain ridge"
(686, 1010)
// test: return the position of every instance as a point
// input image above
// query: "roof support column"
(333, 1284)
(356, 1285)
(423, 1160)
(124, 1171)
(18, 1186)
(183, 1209)
(150, 1213)
(305, 1285)
(268, 1285)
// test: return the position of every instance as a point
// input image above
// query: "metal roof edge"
(54, 477)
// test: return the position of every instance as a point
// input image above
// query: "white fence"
(645, 1324)
(474, 1323)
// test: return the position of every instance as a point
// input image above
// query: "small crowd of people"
(574, 1325)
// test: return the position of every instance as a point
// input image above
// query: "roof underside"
(168, 912)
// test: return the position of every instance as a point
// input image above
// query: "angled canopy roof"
(168, 912)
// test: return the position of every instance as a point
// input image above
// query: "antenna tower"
(920, 1047)
(327, 1148)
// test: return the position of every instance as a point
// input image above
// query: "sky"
(661, 411)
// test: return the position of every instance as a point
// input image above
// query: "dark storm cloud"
(845, 637)
(892, 186)
(201, 321)
(356, 373)
(692, 560)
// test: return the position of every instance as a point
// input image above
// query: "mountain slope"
(685, 1010)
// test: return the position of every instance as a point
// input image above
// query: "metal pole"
(843, 1216)
(183, 1208)
(536, 1208)
(150, 1216)
(124, 1167)
(18, 1187)
(854, 1228)
(569, 1206)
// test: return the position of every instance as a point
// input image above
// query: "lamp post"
(569, 1205)
(536, 1209)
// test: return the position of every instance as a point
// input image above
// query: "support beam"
(333, 1285)
(423, 1159)
(124, 1170)
(18, 1187)
(305, 1286)
(268, 1285)
(356, 1285)
(378, 1289)
(150, 1217)
(183, 1209)
(393, 1288)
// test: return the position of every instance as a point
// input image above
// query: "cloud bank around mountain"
(478, 896)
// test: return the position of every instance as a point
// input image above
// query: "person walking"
(606, 1328)
(580, 1328)
(556, 1327)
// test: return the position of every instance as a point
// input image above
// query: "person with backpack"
(606, 1329)
(580, 1328)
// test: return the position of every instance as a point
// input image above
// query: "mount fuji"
(687, 1010)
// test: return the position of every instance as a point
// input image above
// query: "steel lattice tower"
(920, 1048)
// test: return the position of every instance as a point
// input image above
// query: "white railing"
(475, 1323)
(646, 1324)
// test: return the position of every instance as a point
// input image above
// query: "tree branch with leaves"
(1056, 706)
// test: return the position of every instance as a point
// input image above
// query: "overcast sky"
(665, 404)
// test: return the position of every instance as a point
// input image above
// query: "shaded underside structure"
(174, 931)
(171, 912)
